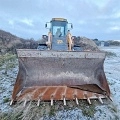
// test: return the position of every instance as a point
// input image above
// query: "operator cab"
(59, 27)
(57, 39)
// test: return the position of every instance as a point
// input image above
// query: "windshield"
(58, 31)
(59, 28)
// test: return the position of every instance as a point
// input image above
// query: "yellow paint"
(59, 19)
(59, 41)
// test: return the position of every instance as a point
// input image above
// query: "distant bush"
(110, 54)
(116, 43)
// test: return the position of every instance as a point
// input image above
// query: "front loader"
(58, 71)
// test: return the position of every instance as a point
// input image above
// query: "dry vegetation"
(9, 43)
(45, 111)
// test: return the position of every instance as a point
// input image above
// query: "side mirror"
(48, 25)
(70, 26)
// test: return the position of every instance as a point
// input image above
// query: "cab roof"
(59, 19)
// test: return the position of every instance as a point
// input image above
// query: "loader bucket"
(60, 75)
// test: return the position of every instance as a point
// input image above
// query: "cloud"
(82, 22)
(90, 18)
(115, 28)
(27, 21)
(117, 15)
(11, 22)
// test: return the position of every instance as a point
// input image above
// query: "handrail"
(69, 41)
(49, 42)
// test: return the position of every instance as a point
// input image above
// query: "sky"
(90, 18)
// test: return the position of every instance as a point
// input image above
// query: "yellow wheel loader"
(59, 72)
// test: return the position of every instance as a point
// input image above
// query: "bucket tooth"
(11, 102)
(100, 99)
(38, 103)
(88, 99)
(52, 100)
(64, 101)
(24, 104)
(111, 99)
(76, 100)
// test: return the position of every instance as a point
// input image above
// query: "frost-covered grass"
(7, 57)
(8, 72)
(107, 111)
(46, 111)
(110, 54)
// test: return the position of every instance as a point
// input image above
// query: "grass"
(87, 110)
(113, 108)
(111, 83)
(7, 57)
(110, 54)
(5, 100)
(9, 65)
(11, 116)
(8, 60)
(52, 111)
(32, 112)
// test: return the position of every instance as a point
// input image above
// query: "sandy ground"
(107, 111)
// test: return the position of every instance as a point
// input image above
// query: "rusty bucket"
(60, 75)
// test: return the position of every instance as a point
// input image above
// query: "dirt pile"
(86, 44)
(9, 42)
